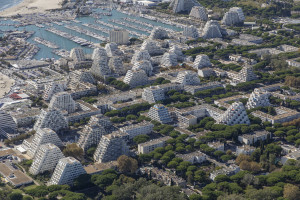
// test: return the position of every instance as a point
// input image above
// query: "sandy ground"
(5, 84)
(31, 6)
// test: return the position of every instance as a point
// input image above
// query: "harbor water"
(4, 4)
(136, 26)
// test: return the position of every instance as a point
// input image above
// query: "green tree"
(127, 164)
(141, 139)
(15, 196)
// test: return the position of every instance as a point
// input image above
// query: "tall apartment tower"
(183, 5)
(52, 119)
(158, 33)
(235, 114)
(169, 60)
(66, 171)
(153, 94)
(199, 12)
(110, 148)
(178, 51)
(63, 101)
(247, 74)
(144, 65)
(112, 49)
(239, 11)
(230, 18)
(201, 61)
(258, 98)
(43, 136)
(100, 63)
(140, 55)
(116, 65)
(119, 36)
(45, 159)
(160, 113)
(188, 78)
(77, 54)
(212, 29)
(7, 124)
(91, 136)
(190, 31)
(51, 89)
(152, 47)
(136, 78)
(82, 77)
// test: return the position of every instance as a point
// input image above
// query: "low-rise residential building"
(149, 146)
(250, 139)
(196, 88)
(283, 114)
(166, 177)
(245, 149)
(194, 157)
(218, 146)
(291, 156)
(138, 129)
(229, 171)
(14, 176)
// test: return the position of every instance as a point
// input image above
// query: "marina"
(86, 31)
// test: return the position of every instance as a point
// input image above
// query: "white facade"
(159, 113)
(144, 65)
(149, 146)
(112, 49)
(199, 12)
(169, 60)
(230, 18)
(188, 78)
(63, 101)
(239, 11)
(235, 114)
(142, 128)
(51, 89)
(258, 98)
(249, 139)
(178, 51)
(7, 125)
(52, 119)
(43, 136)
(119, 36)
(100, 63)
(77, 55)
(183, 5)
(245, 149)
(190, 31)
(140, 55)
(152, 47)
(211, 30)
(136, 78)
(110, 148)
(66, 171)
(194, 157)
(158, 33)
(46, 159)
(116, 65)
(201, 61)
(153, 94)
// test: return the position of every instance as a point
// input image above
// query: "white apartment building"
(136, 78)
(231, 18)
(52, 119)
(190, 31)
(158, 33)
(178, 51)
(235, 114)
(8, 127)
(152, 47)
(188, 78)
(77, 54)
(100, 63)
(245, 149)
(201, 61)
(160, 113)
(199, 12)
(258, 98)
(110, 148)
(63, 101)
(140, 55)
(142, 128)
(45, 159)
(169, 60)
(149, 146)
(250, 139)
(91, 136)
(42, 136)
(218, 146)
(81, 76)
(183, 5)
(144, 65)
(239, 11)
(112, 49)
(194, 157)
(116, 65)
(229, 171)
(51, 89)
(211, 30)
(119, 36)
(66, 171)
